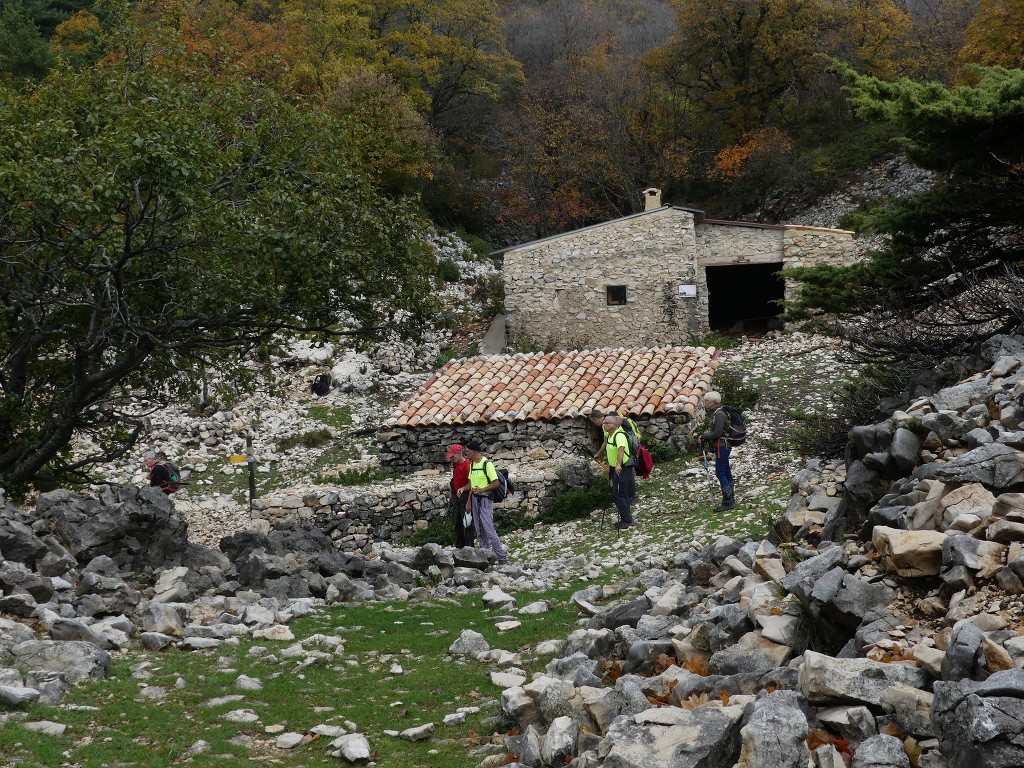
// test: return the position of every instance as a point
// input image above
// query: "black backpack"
(735, 426)
(505, 486)
(173, 484)
(321, 384)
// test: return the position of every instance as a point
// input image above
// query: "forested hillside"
(515, 118)
(183, 182)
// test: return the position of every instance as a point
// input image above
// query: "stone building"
(663, 276)
(534, 408)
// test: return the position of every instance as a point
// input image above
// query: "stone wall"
(410, 449)
(812, 246)
(555, 289)
(719, 239)
(358, 517)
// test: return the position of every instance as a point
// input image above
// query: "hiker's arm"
(488, 470)
(619, 459)
(717, 427)
(486, 488)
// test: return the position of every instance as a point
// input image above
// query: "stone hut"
(536, 407)
(665, 275)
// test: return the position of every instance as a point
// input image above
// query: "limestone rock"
(825, 679)
(909, 553)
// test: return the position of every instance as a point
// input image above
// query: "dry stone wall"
(356, 518)
(556, 289)
(409, 449)
(544, 458)
(812, 247)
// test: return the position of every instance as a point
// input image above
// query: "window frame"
(608, 296)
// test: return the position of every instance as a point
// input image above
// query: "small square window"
(616, 294)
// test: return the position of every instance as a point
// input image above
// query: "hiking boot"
(622, 526)
(726, 504)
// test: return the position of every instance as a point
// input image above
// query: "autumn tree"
(157, 215)
(995, 36)
(444, 51)
(742, 64)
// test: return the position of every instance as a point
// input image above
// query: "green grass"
(313, 438)
(340, 418)
(356, 685)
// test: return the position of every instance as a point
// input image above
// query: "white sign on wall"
(688, 291)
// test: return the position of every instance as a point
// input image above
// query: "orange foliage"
(663, 662)
(696, 664)
(820, 738)
(732, 162)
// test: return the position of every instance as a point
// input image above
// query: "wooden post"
(251, 461)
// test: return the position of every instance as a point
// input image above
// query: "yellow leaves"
(76, 34)
(995, 36)
(913, 750)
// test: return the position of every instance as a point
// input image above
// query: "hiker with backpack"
(464, 536)
(722, 436)
(483, 481)
(617, 460)
(163, 474)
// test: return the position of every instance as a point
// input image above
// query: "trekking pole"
(707, 473)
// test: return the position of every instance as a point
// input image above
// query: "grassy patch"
(269, 478)
(735, 391)
(717, 340)
(574, 505)
(439, 530)
(450, 353)
(360, 684)
(340, 418)
(335, 457)
(314, 438)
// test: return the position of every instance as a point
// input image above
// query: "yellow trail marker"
(238, 458)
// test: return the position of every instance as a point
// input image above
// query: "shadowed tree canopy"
(950, 274)
(155, 217)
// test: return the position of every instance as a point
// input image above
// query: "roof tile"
(561, 384)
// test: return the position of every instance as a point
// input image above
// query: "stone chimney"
(652, 199)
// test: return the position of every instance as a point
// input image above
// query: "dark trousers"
(623, 491)
(722, 469)
(464, 537)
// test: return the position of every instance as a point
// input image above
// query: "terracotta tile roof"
(561, 385)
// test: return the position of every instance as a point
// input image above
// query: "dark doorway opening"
(741, 297)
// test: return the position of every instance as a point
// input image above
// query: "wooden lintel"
(739, 259)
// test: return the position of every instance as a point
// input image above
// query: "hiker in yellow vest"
(620, 468)
(483, 478)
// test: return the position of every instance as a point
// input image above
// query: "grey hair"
(149, 455)
(712, 398)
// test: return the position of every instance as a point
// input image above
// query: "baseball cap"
(453, 449)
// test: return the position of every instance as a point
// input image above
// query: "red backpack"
(644, 463)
